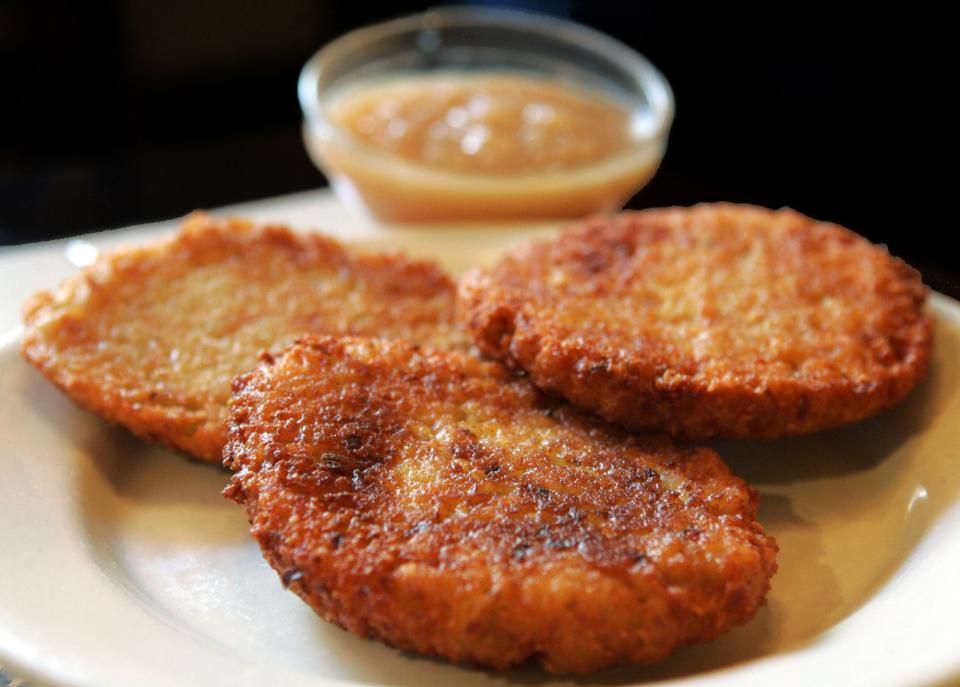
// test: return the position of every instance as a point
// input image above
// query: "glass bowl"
(480, 41)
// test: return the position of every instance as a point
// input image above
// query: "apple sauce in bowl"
(480, 114)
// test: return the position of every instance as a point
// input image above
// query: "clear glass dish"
(471, 41)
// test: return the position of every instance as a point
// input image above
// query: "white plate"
(122, 564)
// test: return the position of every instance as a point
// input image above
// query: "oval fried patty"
(716, 320)
(152, 337)
(436, 502)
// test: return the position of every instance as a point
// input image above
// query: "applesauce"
(481, 145)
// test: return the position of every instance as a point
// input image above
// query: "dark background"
(119, 112)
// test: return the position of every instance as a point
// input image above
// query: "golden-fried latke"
(716, 320)
(436, 502)
(152, 337)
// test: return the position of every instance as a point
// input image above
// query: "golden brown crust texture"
(715, 320)
(152, 337)
(436, 502)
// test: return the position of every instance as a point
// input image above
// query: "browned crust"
(151, 337)
(437, 503)
(724, 320)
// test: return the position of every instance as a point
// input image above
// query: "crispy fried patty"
(152, 337)
(436, 502)
(716, 320)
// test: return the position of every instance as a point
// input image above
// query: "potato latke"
(152, 337)
(716, 320)
(436, 502)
